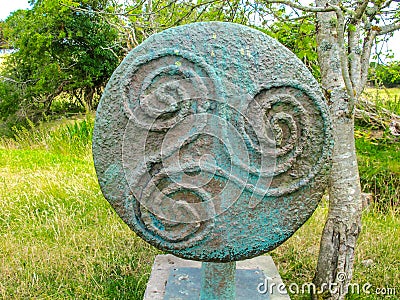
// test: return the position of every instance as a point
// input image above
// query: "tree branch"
(3, 78)
(354, 55)
(354, 50)
(344, 64)
(359, 12)
(301, 7)
(365, 56)
(192, 8)
(300, 18)
(389, 28)
(111, 50)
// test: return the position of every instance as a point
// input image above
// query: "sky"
(8, 6)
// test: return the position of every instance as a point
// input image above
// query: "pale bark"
(355, 56)
(336, 257)
(335, 262)
(355, 52)
(366, 54)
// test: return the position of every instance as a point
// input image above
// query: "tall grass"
(68, 138)
(387, 98)
(377, 261)
(379, 166)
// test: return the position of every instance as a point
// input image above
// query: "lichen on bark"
(343, 225)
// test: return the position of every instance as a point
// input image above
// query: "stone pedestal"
(175, 278)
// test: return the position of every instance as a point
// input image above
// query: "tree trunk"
(336, 257)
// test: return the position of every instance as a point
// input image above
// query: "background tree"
(3, 43)
(59, 50)
(138, 19)
(299, 36)
(385, 74)
(72, 47)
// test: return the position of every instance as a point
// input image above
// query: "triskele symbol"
(209, 152)
(188, 111)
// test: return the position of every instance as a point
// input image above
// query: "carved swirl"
(190, 152)
(291, 119)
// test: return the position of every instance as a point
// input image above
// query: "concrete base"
(164, 264)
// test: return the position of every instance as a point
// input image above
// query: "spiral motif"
(211, 158)
(285, 109)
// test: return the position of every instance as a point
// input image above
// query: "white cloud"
(394, 45)
(8, 6)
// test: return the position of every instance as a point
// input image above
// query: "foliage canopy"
(58, 50)
(71, 47)
(387, 75)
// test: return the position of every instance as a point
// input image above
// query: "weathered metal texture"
(212, 141)
(218, 281)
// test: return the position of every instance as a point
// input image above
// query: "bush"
(59, 49)
(387, 75)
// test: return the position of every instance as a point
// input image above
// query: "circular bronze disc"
(212, 141)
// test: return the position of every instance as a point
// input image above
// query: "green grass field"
(388, 98)
(62, 240)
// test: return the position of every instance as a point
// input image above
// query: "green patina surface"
(212, 141)
(218, 281)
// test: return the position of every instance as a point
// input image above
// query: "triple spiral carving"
(194, 145)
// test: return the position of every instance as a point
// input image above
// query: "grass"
(378, 153)
(388, 98)
(62, 240)
(379, 165)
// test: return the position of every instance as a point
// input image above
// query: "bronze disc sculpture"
(212, 142)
